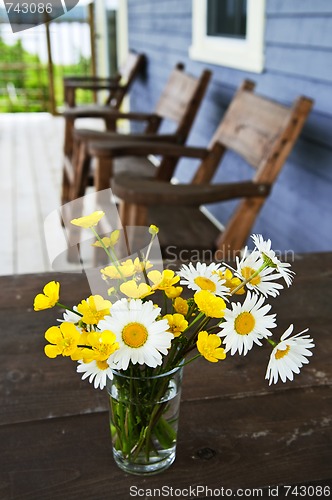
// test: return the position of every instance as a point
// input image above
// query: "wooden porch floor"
(30, 171)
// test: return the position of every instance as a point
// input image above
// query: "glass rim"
(160, 375)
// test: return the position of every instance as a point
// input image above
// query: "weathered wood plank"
(7, 197)
(27, 208)
(235, 443)
(23, 363)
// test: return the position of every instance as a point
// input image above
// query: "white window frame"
(245, 54)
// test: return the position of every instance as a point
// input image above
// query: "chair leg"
(231, 242)
(81, 167)
(133, 215)
(69, 130)
(68, 152)
(103, 173)
(65, 190)
(73, 232)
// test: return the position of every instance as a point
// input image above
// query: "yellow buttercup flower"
(63, 340)
(209, 347)
(173, 292)
(128, 268)
(108, 241)
(105, 242)
(114, 237)
(164, 280)
(49, 298)
(125, 269)
(102, 346)
(209, 304)
(141, 266)
(134, 291)
(88, 220)
(181, 306)
(230, 281)
(177, 323)
(94, 309)
(111, 272)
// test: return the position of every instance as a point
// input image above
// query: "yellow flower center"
(102, 365)
(205, 283)
(249, 271)
(281, 353)
(244, 323)
(134, 335)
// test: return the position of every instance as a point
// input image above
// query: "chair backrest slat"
(128, 71)
(181, 98)
(251, 125)
(259, 130)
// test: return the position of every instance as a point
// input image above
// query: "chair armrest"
(89, 135)
(144, 148)
(134, 189)
(83, 78)
(100, 111)
(92, 82)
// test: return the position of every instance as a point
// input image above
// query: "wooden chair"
(179, 103)
(116, 87)
(261, 131)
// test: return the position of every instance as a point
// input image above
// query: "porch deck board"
(30, 171)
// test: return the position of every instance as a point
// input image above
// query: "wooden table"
(235, 431)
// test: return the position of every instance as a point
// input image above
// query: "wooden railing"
(32, 69)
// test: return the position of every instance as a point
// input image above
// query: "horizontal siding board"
(319, 130)
(307, 63)
(305, 32)
(160, 7)
(164, 25)
(298, 7)
(162, 43)
(285, 88)
(298, 230)
(314, 158)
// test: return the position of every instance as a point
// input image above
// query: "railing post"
(52, 105)
(92, 42)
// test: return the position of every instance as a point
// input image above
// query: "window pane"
(227, 18)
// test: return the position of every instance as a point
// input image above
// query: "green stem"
(243, 283)
(149, 248)
(192, 359)
(113, 258)
(68, 308)
(272, 342)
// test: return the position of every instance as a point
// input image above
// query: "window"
(229, 33)
(226, 19)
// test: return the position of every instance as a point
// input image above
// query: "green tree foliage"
(24, 80)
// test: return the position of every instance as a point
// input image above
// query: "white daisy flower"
(141, 338)
(203, 277)
(264, 281)
(269, 255)
(97, 371)
(246, 324)
(289, 355)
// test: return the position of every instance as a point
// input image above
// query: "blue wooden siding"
(298, 60)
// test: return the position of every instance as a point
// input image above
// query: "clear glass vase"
(144, 414)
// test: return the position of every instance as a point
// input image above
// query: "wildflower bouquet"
(136, 341)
